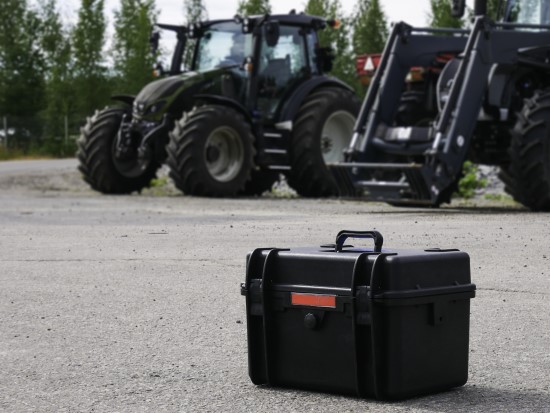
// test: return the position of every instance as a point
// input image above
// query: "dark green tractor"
(255, 103)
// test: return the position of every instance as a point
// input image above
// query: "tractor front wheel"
(211, 152)
(530, 154)
(101, 167)
(322, 130)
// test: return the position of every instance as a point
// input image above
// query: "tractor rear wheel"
(322, 131)
(101, 168)
(530, 154)
(211, 152)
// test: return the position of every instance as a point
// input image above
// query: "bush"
(470, 181)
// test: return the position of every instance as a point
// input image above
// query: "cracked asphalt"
(132, 303)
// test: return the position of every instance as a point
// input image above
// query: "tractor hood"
(174, 94)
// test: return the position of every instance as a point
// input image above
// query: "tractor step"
(382, 184)
(408, 134)
(359, 179)
(273, 150)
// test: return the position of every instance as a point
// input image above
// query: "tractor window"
(222, 44)
(312, 45)
(529, 12)
(281, 67)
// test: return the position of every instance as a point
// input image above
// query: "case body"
(387, 324)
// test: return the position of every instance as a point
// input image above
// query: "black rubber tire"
(261, 180)
(529, 171)
(309, 175)
(187, 151)
(96, 156)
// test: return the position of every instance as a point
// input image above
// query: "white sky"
(413, 12)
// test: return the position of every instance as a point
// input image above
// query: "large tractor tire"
(99, 165)
(322, 130)
(211, 152)
(530, 154)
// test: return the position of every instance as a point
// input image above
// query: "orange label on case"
(313, 300)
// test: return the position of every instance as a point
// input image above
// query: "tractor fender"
(127, 99)
(295, 100)
(225, 101)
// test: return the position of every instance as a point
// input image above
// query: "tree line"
(53, 72)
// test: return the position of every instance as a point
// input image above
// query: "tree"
(440, 15)
(336, 38)
(56, 46)
(492, 9)
(91, 83)
(133, 61)
(253, 7)
(370, 28)
(195, 11)
(21, 65)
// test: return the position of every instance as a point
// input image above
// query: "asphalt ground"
(132, 303)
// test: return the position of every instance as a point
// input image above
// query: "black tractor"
(492, 107)
(254, 103)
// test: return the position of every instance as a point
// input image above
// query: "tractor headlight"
(155, 107)
(138, 108)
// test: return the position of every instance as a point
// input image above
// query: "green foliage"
(133, 61)
(337, 39)
(470, 182)
(56, 46)
(21, 60)
(253, 7)
(9, 154)
(502, 198)
(492, 9)
(91, 85)
(370, 28)
(440, 15)
(195, 11)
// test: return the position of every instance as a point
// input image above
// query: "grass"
(503, 198)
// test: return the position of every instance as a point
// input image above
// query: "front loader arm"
(488, 44)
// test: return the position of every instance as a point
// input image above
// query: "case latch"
(362, 314)
(254, 295)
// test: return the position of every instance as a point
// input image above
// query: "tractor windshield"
(529, 12)
(222, 44)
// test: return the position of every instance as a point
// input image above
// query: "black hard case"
(397, 326)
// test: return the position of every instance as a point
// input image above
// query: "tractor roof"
(300, 19)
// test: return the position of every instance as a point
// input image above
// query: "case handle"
(345, 234)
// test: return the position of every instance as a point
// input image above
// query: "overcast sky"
(171, 11)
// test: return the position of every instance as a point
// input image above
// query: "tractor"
(492, 106)
(256, 102)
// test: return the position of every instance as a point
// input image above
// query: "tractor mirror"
(457, 8)
(480, 7)
(271, 32)
(324, 57)
(154, 41)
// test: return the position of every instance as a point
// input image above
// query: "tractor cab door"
(281, 68)
(221, 50)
